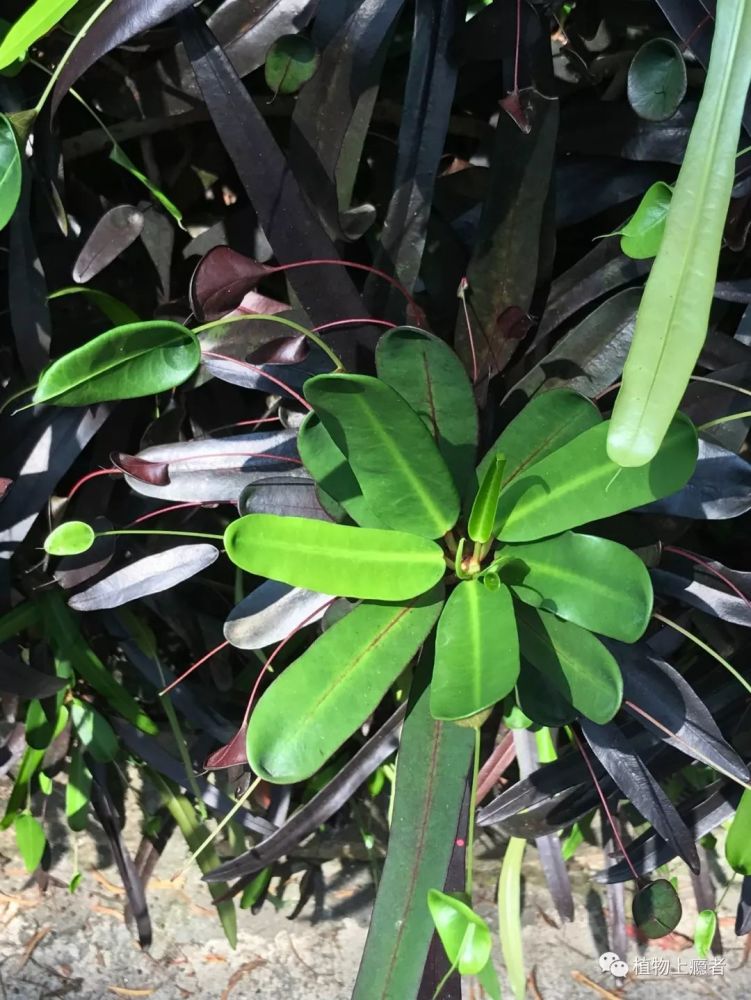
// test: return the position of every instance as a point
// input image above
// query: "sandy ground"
(58, 944)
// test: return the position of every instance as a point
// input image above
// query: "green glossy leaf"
(488, 979)
(40, 18)
(539, 701)
(320, 699)
(69, 538)
(465, 936)
(290, 62)
(331, 471)
(94, 732)
(431, 781)
(30, 840)
(75, 881)
(334, 559)
(10, 171)
(642, 235)
(41, 722)
(115, 310)
(476, 651)
(738, 843)
(121, 158)
(18, 64)
(30, 764)
(656, 82)
(704, 932)
(77, 792)
(546, 423)
(590, 581)
(395, 460)
(46, 783)
(138, 359)
(579, 483)
(657, 909)
(427, 373)
(673, 317)
(573, 662)
(510, 917)
(483, 514)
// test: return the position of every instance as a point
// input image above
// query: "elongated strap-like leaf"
(430, 785)
(653, 690)
(321, 807)
(129, 361)
(673, 316)
(335, 558)
(590, 581)
(395, 460)
(321, 698)
(425, 371)
(149, 575)
(573, 662)
(476, 651)
(579, 483)
(633, 777)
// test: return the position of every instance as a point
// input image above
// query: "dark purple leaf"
(720, 487)
(333, 113)
(19, 679)
(566, 772)
(289, 223)
(632, 776)
(109, 820)
(148, 749)
(657, 689)
(113, 234)
(288, 496)
(116, 25)
(154, 473)
(221, 280)
(727, 606)
(27, 289)
(215, 470)
(275, 378)
(270, 613)
(321, 807)
(549, 848)
(429, 93)
(40, 449)
(743, 915)
(149, 575)
(502, 272)
(701, 813)
(284, 351)
(231, 754)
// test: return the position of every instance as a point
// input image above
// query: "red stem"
(177, 506)
(709, 568)
(350, 322)
(93, 475)
(260, 371)
(195, 666)
(358, 267)
(518, 44)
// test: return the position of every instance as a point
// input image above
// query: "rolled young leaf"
(590, 581)
(476, 651)
(134, 360)
(579, 483)
(321, 698)
(738, 843)
(334, 558)
(464, 936)
(395, 460)
(671, 324)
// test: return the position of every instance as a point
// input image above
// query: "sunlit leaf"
(642, 235)
(69, 539)
(30, 26)
(464, 936)
(30, 839)
(334, 558)
(10, 171)
(290, 62)
(738, 843)
(93, 730)
(138, 359)
(704, 932)
(657, 909)
(77, 792)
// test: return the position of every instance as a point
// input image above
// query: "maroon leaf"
(5, 485)
(284, 351)
(221, 281)
(113, 234)
(154, 473)
(231, 754)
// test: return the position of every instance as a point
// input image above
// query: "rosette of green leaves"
(514, 609)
